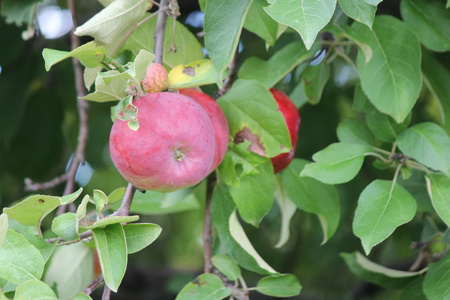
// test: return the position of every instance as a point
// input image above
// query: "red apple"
(292, 118)
(156, 79)
(173, 147)
(218, 119)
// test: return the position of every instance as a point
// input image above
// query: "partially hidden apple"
(292, 118)
(173, 148)
(156, 79)
(218, 119)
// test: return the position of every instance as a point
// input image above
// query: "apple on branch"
(172, 149)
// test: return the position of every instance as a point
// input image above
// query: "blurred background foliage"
(38, 135)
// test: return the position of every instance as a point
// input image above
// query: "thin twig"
(106, 293)
(31, 186)
(94, 284)
(82, 105)
(228, 82)
(124, 209)
(159, 33)
(207, 240)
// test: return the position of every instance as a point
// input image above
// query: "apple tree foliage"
(382, 77)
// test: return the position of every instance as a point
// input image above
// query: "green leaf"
(45, 248)
(252, 112)
(428, 144)
(429, 21)
(391, 82)
(187, 45)
(383, 126)
(269, 72)
(82, 296)
(438, 187)
(377, 274)
(194, 74)
(313, 197)
(338, 163)
(67, 199)
(227, 266)
(414, 290)
(254, 195)
(81, 211)
(382, 207)
(239, 162)
(114, 90)
(71, 269)
(112, 220)
(116, 195)
(3, 227)
(306, 17)
(111, 246)
(33, 209)
(360, 11)
(437, 279)
(223, 26)
(19, 12)
(13, 266)
(354, 131)
(34, 289)
(90, 55)
(287, 210)
(140, 235)
(223, 211)
(65, 226)
(314, 79)
(436, 77)
(154, 203)
(100, 200)
(112, 20)
(279, 286)
(258, 22)
(205, 287)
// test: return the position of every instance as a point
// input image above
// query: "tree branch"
(228, 82)
(94, 285)
(207, 221)
(159, 33)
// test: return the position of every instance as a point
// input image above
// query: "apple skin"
(173, 147)
(218, 119)
(292, 118)
(156, 78)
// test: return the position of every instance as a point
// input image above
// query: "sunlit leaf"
(286, 285)
(205, 287)
(110, 22)
(13, 266)
(111, 246)
(252, 111)
(338, 163)
(391, 82)
(223, 25)
(378, 274)
(306, 17)
(34, 289)
(429, 21)
(382, 207)
(139, 236)
(258, 22)
(227, 266)
(428, 144)
(194, 74)
(89, 54)
(70, 270)
(358, 10)
(269, 72)
(438, 186)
